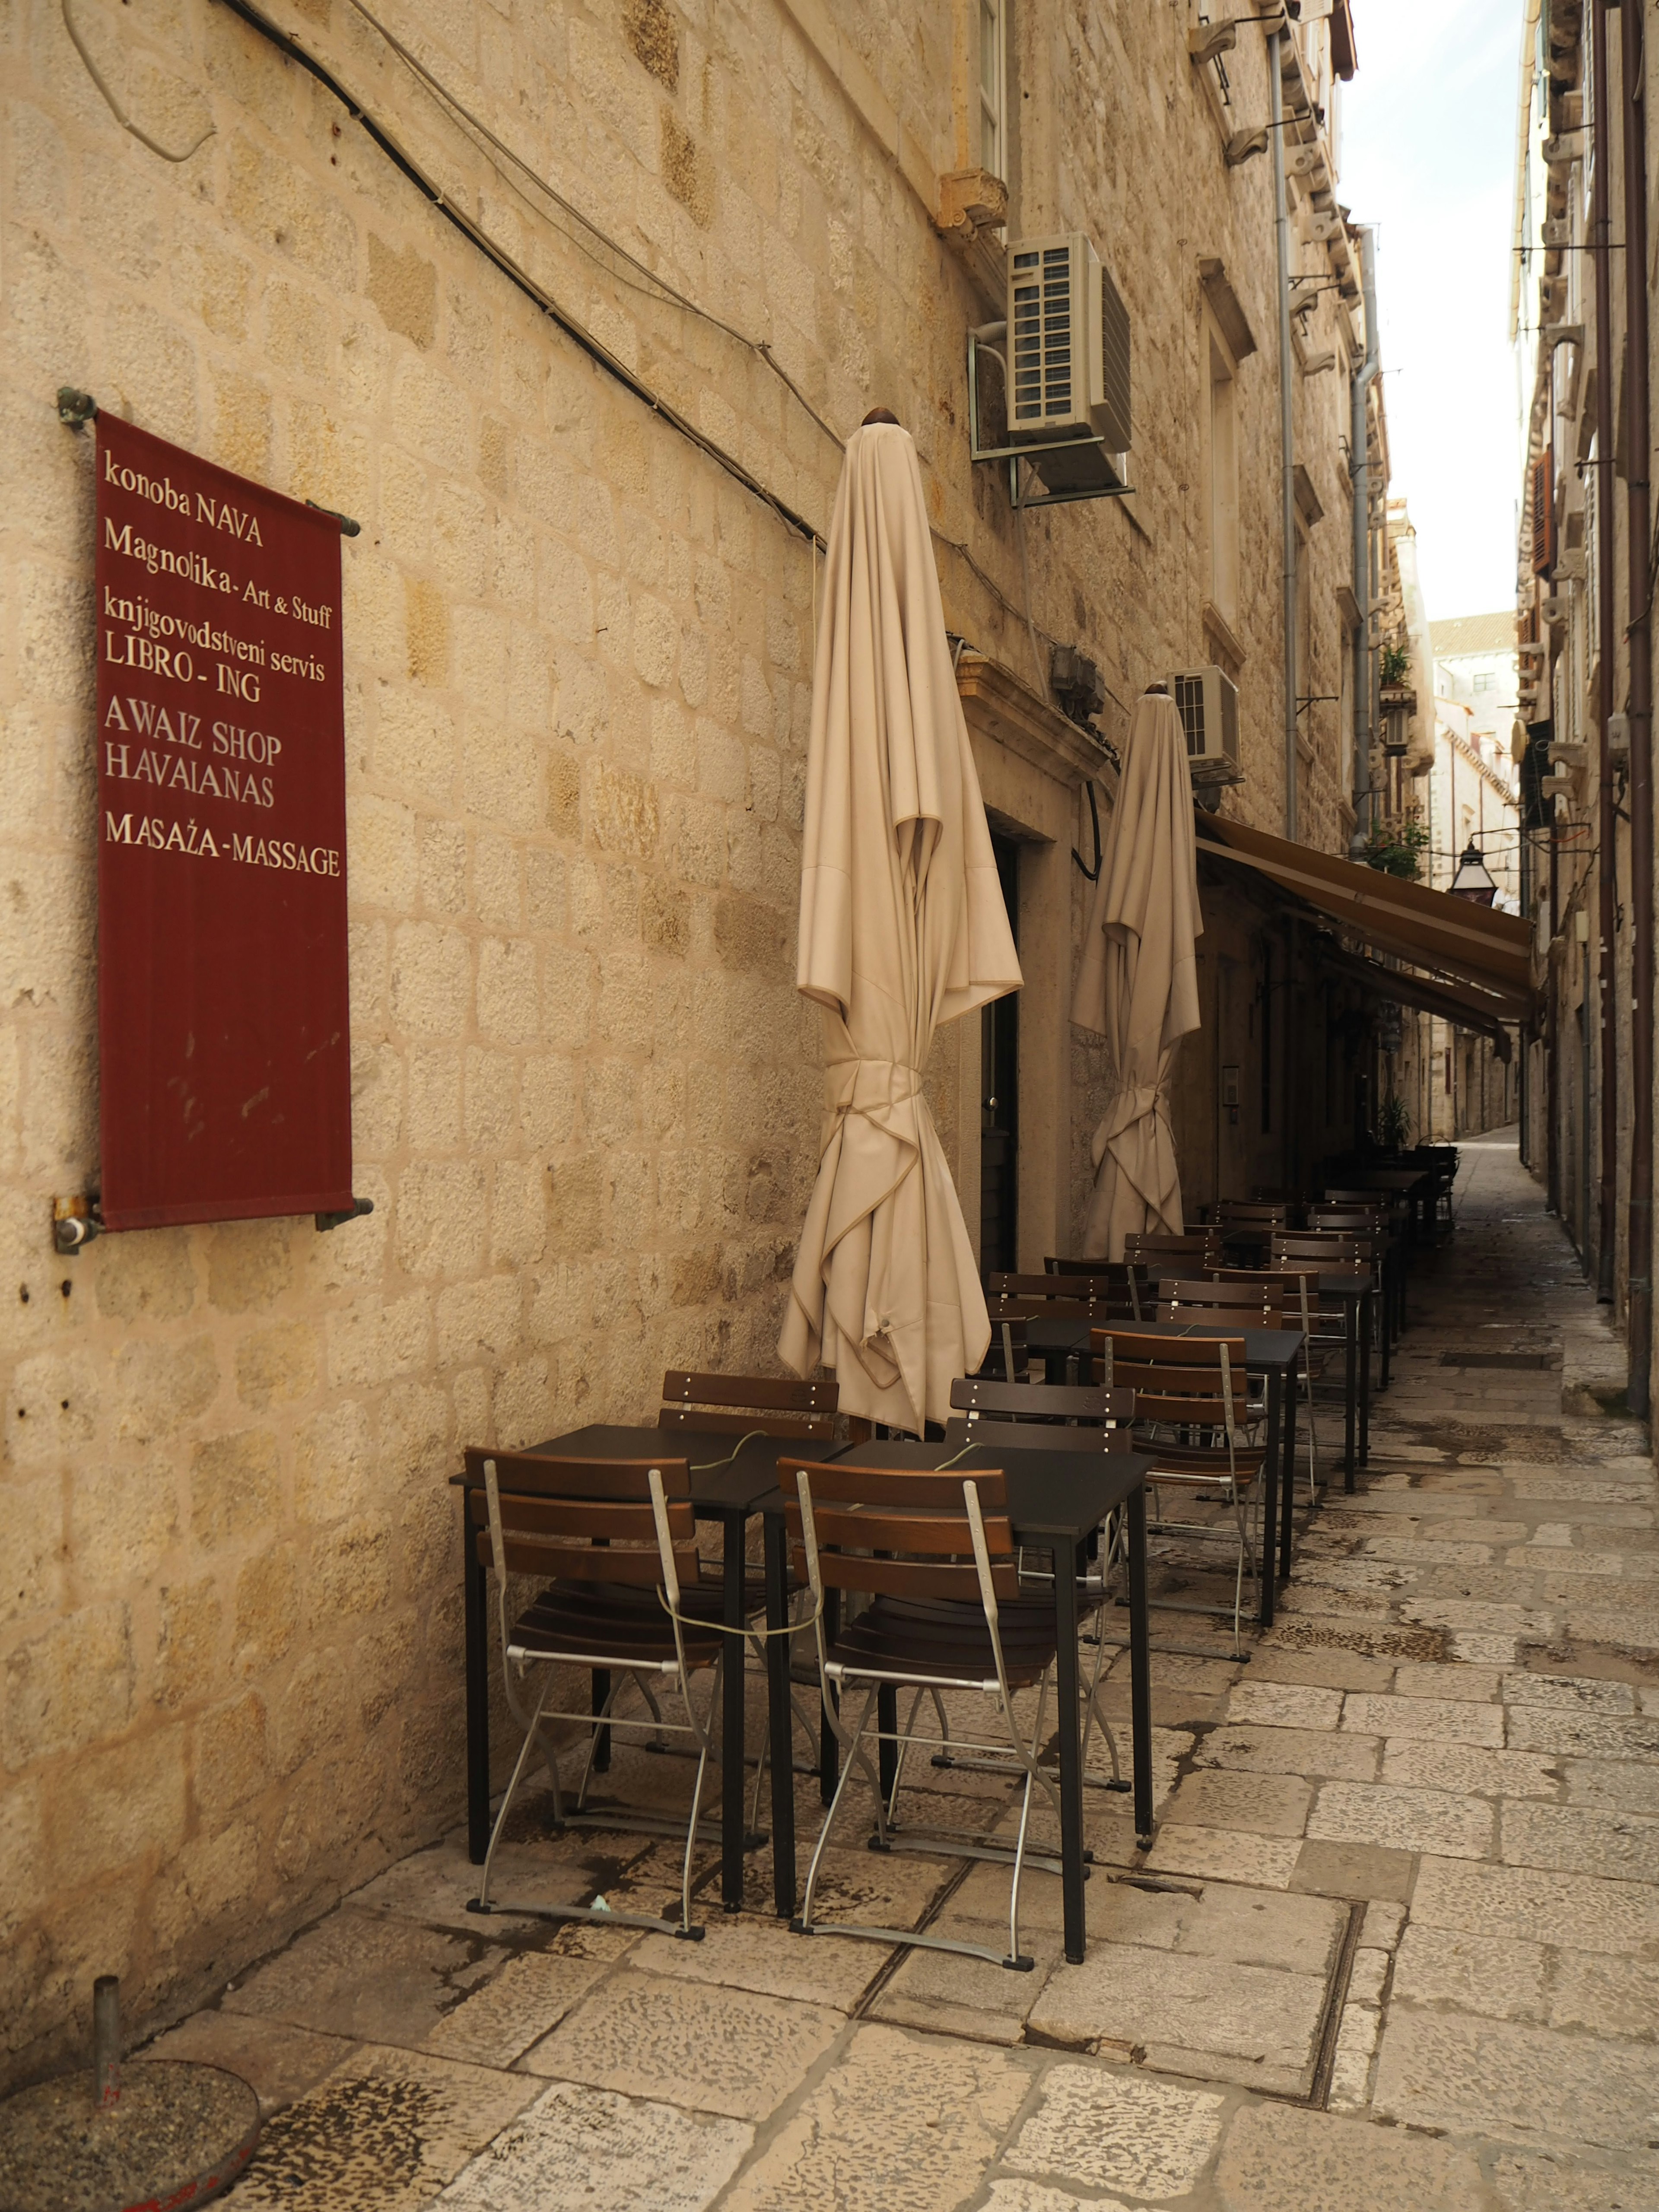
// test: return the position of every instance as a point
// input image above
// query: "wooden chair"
(1192, 1413)
(761, 1404)
(1054, 1417)
(1008, 1356)
(1258, 1304)
(1203, 1250)
(1267, 1213)
(615, 1544)
(1322, 1325)
(936, 1551)
(1113, 1285)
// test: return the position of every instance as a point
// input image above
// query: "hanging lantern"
(1473, 880)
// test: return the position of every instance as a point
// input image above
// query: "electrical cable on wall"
(114, 105)
(652, 282)
(539, 297)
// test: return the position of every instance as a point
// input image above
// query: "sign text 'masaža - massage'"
(222, 843)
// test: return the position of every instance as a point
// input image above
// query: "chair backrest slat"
(1035, 1402)
(1181, 1372)
(775, 1406)
(1176, 1299)
(552, 1475)
(996, 1435)
(592, 1520)
(917, 1518)
(1169, 1248)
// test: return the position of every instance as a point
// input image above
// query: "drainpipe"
(1607, 1231)
(1359, 472)
(1639, 634)
(1286, 427)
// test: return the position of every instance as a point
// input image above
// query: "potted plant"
(1396, 847)
(1394, 1124)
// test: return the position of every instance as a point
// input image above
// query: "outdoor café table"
(1273, 1353)
(1056, 1501)
(725, 1487)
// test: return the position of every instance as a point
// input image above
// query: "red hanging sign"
(222, 1015)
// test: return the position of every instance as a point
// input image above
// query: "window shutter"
(1543, 513)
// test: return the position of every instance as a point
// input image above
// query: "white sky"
(1428, 155)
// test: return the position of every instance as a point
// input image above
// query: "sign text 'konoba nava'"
(223, 1033)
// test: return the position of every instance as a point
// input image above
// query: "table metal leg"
(1366, 1380)
(1354, 1317)
(599, 1694)
(1070, 1750)
(1287, 1496)
(1271, 1470)
(1141, 1666)
(778, 1655)
(476, 1598)
(732, 1730)
(887, 1754)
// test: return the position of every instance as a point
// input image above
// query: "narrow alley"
(1397, 1944)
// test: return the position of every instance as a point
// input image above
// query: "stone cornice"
(997, 706)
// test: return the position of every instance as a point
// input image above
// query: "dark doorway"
(999, 1095)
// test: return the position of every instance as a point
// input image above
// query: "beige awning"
(1472, 943)
(1459, 1003)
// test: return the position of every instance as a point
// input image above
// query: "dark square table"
(1274, 1353)
(1056, 1501)
(733, 1472)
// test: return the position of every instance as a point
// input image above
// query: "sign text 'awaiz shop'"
(223, 1035)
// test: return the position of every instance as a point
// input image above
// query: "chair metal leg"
(804, 1923)
(532, 1737)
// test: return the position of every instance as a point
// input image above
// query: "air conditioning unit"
(1207, 700)
(1068, 344)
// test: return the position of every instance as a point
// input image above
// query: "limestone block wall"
(578, 667)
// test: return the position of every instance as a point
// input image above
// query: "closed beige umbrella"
(903, 927)
(1139, 979)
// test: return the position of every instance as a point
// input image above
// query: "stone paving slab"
(383, 2132)
(371, 1979)
(280, 2063)
(605, 2152)
(1276, 2158)
(1448, 2070)
(899, 2121)
(709, 2049)
(1105, 2129)
(1180, 2011)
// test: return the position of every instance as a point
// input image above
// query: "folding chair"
(1008, 1356)
(1192, 1414)
(937, 1553)
(761, 1406)
(1298, 1293)
(1202, 1249)
(1111, 1284)
(618, 1538)
(1054, 1417)
(1253, 1213)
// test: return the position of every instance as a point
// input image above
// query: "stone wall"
(578, 666)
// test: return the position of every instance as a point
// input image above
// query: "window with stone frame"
(993, 90)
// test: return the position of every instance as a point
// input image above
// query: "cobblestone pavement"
(1396, 1944)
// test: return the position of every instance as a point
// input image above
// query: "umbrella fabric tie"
(1127, 1108)
(883, 1092)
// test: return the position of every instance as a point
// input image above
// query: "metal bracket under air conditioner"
(1015, 455)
